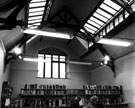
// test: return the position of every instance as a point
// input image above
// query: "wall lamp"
(106, 60)
(48, 33)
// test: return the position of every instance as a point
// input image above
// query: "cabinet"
(33, 95)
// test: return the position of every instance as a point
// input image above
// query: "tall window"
(51, 66)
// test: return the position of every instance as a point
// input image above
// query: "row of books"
(111, 101)
(67, 92)
(43, 102)
(105, 92)
(104, 89)
(42, 92)
(43, 86)
(101, 87)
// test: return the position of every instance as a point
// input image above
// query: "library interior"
(67, 53)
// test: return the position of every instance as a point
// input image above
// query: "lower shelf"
(124, 105)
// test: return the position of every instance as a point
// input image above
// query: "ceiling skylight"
(106, 11)
(36, 12)
(35, 15)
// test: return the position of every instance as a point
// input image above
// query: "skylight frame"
(96, 20)
(35, 17)
(110, 9)
(103, 18)
(90, 26)
(37, 4)
(38, 9)
(35, 21)
(93, 23)
(106, 15)
(112, 4)
(35, 13)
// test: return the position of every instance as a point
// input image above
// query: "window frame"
(53, 61)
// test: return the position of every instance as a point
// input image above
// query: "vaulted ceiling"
(86, 20)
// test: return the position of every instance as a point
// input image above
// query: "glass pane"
(101, 34)
(108, 29)
(62, 70)
(37, 4)
(116, 21)
(55, 70)
(93, 23)
(55, 58)
(109, 9)
(33, 21)
(31, 26)
(104, 33)
(62, 58)
(121, 18)
(36, 9)
(40, 65)
(133, 6)
(111, 26)
(82, 30)
(100, 17)
(36, 17)
(36, 24)
(48, 66)
(91, 27)
(96, 20)
(112, 4)
(35, 13)
(48, 58)
(126, 14)
(104, 13)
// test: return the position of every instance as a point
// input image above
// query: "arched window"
(51, 63)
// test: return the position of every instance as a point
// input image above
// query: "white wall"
(125, 68)
(3, 70)
(125, 76)
(23, 72)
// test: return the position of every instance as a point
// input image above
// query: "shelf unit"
(109, 96)
(32, 95)
(7, 91)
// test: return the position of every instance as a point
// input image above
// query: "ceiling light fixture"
(47, 33)
(31, 59)
(35, 59)
(81, 63)
(116, 42)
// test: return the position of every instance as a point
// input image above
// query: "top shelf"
(68, 92)
(62, 90)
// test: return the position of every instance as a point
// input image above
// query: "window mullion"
(66, 69)
(58, 66)
(51, 66)
(44, 67)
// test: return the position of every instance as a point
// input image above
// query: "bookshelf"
(33, 95)
(109, 96)
(7, 91)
